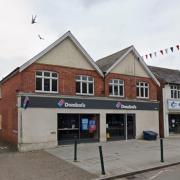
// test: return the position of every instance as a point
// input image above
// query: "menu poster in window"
(92, 126)
(84, 124)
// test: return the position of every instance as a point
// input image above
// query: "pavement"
(38, 165)
(120, 157)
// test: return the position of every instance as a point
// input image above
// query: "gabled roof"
(171, 76)
(57, 42)
(108, 63)
(49, 48)
(12, 73)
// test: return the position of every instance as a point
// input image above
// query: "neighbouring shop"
(173, 117)
(174, 123)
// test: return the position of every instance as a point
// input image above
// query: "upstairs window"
(142, 90)
(84, 85)
(175, 91)
(46, 81)
(116, 88)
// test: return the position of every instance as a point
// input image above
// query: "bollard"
(162, 150)
(102, 161)
(75, 150)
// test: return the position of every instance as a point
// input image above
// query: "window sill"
(147, 98)
(116, 96)
(78, 94)
(47, 92)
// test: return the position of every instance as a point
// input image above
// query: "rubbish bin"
(150, 135)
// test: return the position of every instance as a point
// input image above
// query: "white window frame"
(139, 86)
(87, 81)
(118, 84)
(46, 77)
(175, 89)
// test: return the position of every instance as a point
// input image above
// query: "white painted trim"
(42, 53)
(145, 66)
(140, 60)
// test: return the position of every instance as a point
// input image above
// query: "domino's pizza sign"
(120, 105)
(64, 104)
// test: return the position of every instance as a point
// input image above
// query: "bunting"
(162, 52)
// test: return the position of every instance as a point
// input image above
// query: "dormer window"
(46, 81)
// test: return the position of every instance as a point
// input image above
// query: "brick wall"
(130, 85)
(67, 85)
(8, 109)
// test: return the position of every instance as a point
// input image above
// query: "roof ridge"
(115, 53)
(164, 68)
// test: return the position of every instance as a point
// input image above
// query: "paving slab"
(39, 165)
(120, 157)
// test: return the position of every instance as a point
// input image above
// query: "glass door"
(115, 126)
(131, 126)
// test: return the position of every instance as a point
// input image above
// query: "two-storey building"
(62, 94)
(169, 97)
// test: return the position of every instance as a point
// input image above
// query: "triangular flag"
(155, 54)
(177, 47)
(150, 55)
(161, 51)
(166, 50)
(146, 56)
(171, 49)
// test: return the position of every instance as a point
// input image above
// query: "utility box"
(150, 135)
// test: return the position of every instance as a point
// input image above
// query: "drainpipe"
(104, 73)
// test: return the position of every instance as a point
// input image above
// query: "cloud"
(101, 26)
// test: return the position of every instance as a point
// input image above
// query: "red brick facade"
(25, 82)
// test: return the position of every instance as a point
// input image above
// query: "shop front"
(46, 121)
(174, 117)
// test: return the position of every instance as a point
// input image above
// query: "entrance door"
(131, 126)
(115, 126)
(120, 126)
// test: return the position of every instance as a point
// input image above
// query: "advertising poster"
(84, 124)
(92, 126)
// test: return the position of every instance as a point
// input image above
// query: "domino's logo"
(118, 105)
(60, 103)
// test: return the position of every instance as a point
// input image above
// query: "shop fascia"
(119, 105)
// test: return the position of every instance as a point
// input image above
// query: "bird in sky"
(40, 37)
(33, 19)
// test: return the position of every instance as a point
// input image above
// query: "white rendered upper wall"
(66, 54)
(130, 66)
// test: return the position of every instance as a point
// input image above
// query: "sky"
(101, 26)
